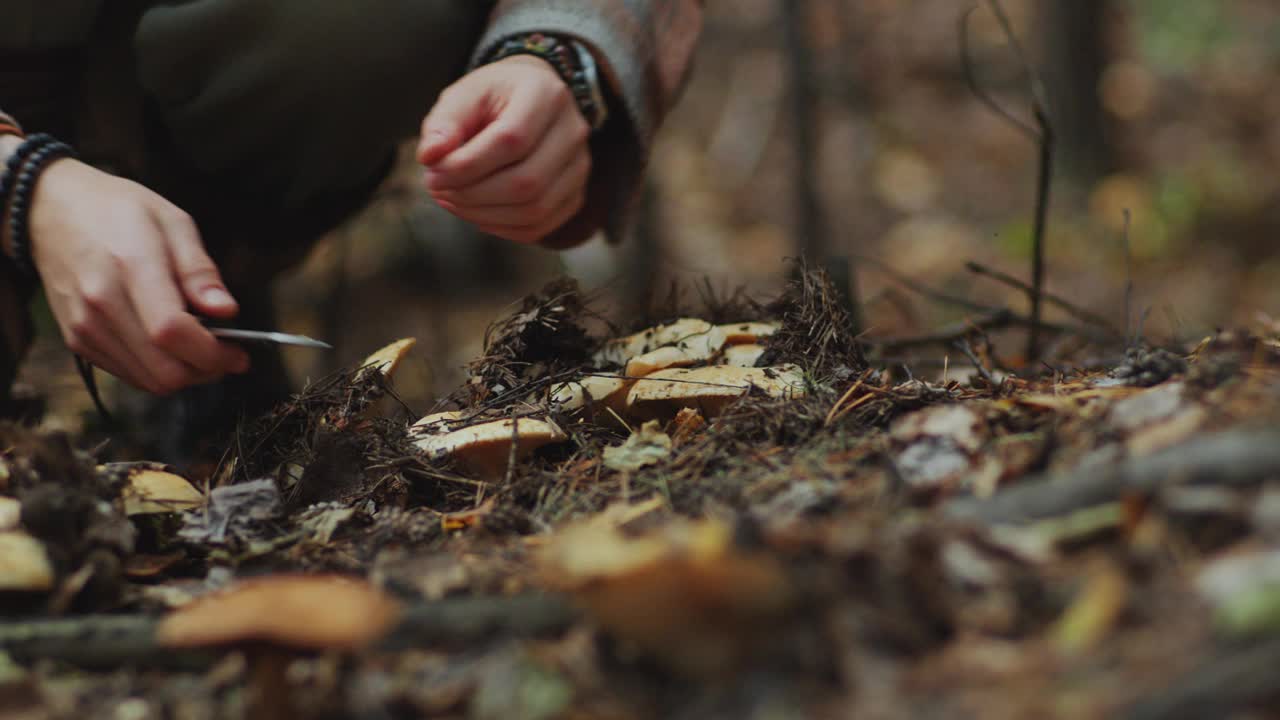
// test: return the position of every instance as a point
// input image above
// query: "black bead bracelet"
(23, 170)
(14, 165)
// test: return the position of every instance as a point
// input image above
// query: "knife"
(268, 337)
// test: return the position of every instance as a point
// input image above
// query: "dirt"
(992, 542)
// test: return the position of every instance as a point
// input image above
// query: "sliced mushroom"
(388, 358)
(151, 491)
(708, 389)
(743, 355)
(485, 448)
(746, 333)
(24, 564)
(622, 350)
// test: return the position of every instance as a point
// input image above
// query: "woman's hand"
(120, 265)
(506, 148)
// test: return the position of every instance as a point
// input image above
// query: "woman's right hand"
(120, 267)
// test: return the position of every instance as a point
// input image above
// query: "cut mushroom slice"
(151, 491)
(485, 448)
(24, 564)
(709, 389)
(743, 355)
(388, 358)
(622, 350)
(746, 333)
(595, 391)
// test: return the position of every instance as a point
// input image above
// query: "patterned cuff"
(572, 61)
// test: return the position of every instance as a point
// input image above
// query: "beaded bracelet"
(33, 156)
(572, 62)
(9, 177)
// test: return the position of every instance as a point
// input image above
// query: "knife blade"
(269, 337)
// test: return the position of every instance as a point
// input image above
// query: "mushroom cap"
(622, 350)
(485, 448)
(709, 389)
(742, 355)
(388, 358)
(602, 391)
(688, 350)
(745, 333)
(311, 612)
(24, 564)
(152, 491)
(10, 513)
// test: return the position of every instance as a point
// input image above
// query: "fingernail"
(218, 296)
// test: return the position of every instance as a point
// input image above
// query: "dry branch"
(1229, 458)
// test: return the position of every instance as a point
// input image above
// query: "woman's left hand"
(505, 148)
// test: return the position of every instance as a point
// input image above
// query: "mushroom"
(151, 491)
(748, 332)
(709, 389)
(591, 391)
(742, 355)
(684, 592)
(484, 449)
(388, 358)
(274, 619)
(692, 350)
(24, 564)
(10, 513)
(622, 350)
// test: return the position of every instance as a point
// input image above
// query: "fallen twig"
(1230, 458)
(1067, 306)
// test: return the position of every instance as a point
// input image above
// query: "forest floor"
(820, 535)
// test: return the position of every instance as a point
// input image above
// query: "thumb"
(458, 114)
(198, 277)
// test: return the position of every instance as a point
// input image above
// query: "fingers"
(563, 185)
(532, 234)
(560, 160)
(199, 278)
(516, 132)
(460, 112)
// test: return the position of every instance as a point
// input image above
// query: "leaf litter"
(573, 533)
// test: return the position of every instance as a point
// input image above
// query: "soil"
(1071, 539)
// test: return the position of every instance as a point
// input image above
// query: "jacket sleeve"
(644, 49)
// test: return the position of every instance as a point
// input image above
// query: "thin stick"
(1128, 279)
(1067, 306)
(1042, 134)
(966, 347)
(938, 296)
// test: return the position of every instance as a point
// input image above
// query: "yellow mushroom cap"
(622, 350)
(485, 448)
(153, 491)
(743, 355)
(10, 513)
(745, 333)
(709, 389)
(24, 564)
(604, 391)
(313, 612)
(388, 358)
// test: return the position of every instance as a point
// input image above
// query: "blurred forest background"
(884, 156)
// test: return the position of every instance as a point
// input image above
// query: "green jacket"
(294, 100)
